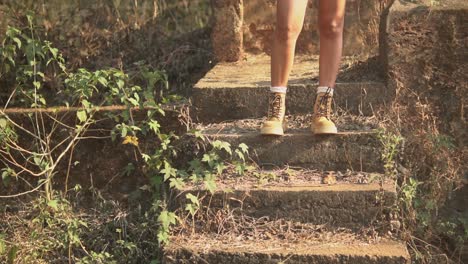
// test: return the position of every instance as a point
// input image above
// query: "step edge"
(293, 134)
(397, 249)
(312, 86)
(335, 188)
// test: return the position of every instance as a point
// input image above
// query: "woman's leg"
(289, 21)
(331, 21)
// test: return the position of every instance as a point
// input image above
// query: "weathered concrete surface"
(240, 90)
(360, 34)
(227, 33)
(357, 151)
(341, 205)
(211, 249)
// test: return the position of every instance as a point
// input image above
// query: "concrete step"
(309, 248)
(340, 199)
(355, 148)
(240, 90)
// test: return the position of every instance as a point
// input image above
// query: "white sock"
(278, 89)
(324, 89)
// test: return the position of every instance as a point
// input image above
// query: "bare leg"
(289, 21)
(331, 21)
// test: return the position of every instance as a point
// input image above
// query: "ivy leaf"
(240, 155)
(146, 157)
(244, 148)
(193, 199)
(132, 140)
(210, 186)
(154, 125)
(194, 204)
(168, 171)
(176, 183)
(166, 219)
(220, 168)
(222, 145)
(163, 237)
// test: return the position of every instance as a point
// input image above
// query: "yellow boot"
(275, 124)
(321, 120)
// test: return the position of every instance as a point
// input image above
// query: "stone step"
(356, 147)
(240, 90)
(340, 199)
(308, 248)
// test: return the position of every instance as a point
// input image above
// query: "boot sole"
(272, 131)
(326, 131)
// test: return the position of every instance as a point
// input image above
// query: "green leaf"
(166, 219)
(2, 244)
(54, 52)
(210, 185)
(37, 160)
(240, 168)
(12, 255)
(53, 204)
(37, 85)
(6, 175)
(3, 123)
(86, 104)
(82, 116)
(163, 237)
(244, 148)
(103, 81)
(240, 155)
(176, 183)
(124, 131)
(222, 145)
(17, 41)
(146, 157)
(120, 84)
(155, 126)
(193, 199)
(133, 101)
(190, 208)
(168, 171)
(220, 168)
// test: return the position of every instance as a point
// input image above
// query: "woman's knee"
(331, 26)
(287, 33)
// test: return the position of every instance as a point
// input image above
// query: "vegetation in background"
(161, 34)
(53, 225)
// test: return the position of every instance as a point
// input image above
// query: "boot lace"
(274, 109)
(324, 107)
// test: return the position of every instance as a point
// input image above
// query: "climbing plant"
(33, 147)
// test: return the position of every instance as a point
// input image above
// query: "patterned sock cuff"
(324, 89)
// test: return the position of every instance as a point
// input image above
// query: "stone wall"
(248, 26)
(227, 30)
